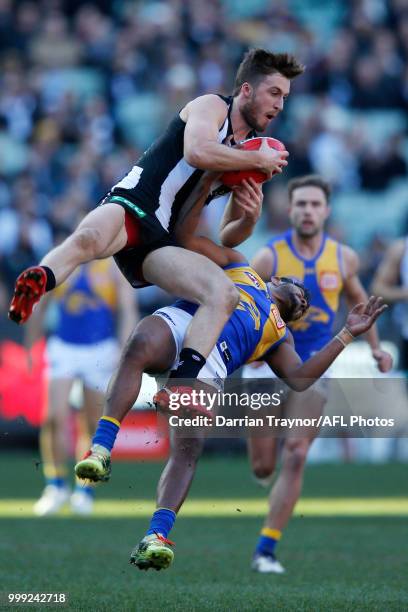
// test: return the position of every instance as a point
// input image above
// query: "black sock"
(51, 282)
(190, 363)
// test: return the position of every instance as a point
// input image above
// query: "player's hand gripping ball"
(235, 177)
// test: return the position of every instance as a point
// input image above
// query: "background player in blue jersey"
(137, 219)
(93, 308)
(256, 330)
(327, 269)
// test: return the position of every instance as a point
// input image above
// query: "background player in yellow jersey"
(91, 310)
(327, 269)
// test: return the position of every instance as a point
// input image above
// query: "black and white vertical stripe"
(162, 181)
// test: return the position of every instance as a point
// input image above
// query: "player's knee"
(224, 296)
(88, 242)
(263, 468)
(54, 421)
(137, 352)
(188, 450)
(296, 453)
(231, 297)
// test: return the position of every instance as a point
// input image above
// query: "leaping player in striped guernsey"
(136, 221)
(327, 269)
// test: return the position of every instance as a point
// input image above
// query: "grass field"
(346, 548)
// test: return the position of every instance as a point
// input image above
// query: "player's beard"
(249, 113)
(310, 233)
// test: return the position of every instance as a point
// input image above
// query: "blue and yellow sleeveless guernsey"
(87, 304)
(255, 328)
(323, 277)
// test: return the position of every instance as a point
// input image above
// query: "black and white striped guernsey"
(161, 181)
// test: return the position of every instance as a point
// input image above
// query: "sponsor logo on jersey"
(329, 281)
(280, 323)
(225, 350)
(253, 279)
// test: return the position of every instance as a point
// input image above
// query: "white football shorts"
(214, 371)
(91, 363)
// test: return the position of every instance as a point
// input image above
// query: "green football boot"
(153, 552)
(95, 466)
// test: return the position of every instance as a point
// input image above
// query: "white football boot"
(81, 502)
(51, 500)
(267, 564)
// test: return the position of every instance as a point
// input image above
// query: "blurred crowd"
(86, 86)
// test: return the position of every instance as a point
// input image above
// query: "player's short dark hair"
(309, 180)
(258, 63)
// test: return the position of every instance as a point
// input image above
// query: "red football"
(235, 177)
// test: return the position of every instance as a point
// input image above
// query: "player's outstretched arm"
(286, 363)
(241, 213)
(204, 117)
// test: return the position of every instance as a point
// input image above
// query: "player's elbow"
(187, 242)
(227, 240)
(377, 288)
(196, 156)
(299, 384)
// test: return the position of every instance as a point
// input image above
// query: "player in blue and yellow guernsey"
(327, 269)
(92, 310)
(256, 327)
(256, 330)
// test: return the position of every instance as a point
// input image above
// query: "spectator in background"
(381, 164)
(372, 87)
(332, 75)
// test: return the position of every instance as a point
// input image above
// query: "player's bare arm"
(222, 256)
(387, 279)
(355, 293)
(241, 213)
(286, 363)
(187, 226)
(203, 117)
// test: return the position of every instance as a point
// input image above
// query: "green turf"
(333, 563)
(21, 477)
